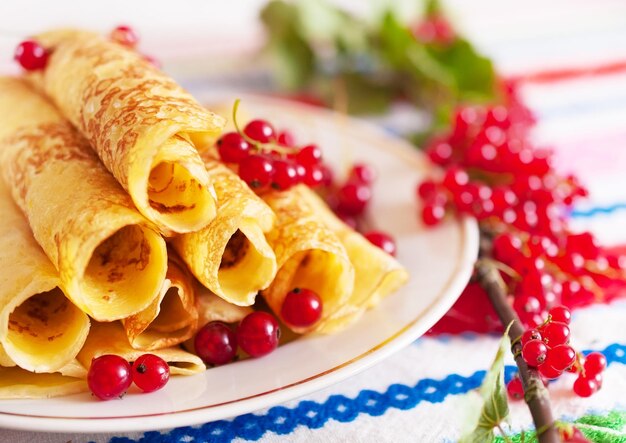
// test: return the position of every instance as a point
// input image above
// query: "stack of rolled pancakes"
(122, 233)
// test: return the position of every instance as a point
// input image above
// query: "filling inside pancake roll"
(172, 318)
(110, 338)
(40, 329)
(231, 256)
(110, 260)
(309, 255)
(144, 127)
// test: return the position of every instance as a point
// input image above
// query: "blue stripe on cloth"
(313, 415)
(596, 210)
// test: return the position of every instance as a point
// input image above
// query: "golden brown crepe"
(231, 256)
(111, 261)
(19, 383)
(377, 274)
(144, 127)
(309, 255)
(110, 338)
(171, 318)
(40, 329)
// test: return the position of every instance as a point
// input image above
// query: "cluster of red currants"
(547, 348)
(32, 56)
(258, 333)
(267, 159)
(110, 375)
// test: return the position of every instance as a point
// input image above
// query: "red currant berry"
(555, 333)
(363, 173)
(572, 435)
(383, 241)
(125, 35)
(150, 372)
(507, 248)
(515, 389)
(353, 198)
(109, 376)
(349, 220)
(454, 179)
(426, 189)
(440, 153)
(309, 155)
(260, 131)
(595, 363)
(561, 357)
(31, 55)
(526, 304)
(548, 372)
(432, 214)
(313, 176)
(560, 314)
(534, 352)
(585, 387)
(328, 175)
(530, 334)
(285, 175)
(258, 334)
(216, 343)
(285, 138)
(232, 147)
(301, 308)
(257, 171)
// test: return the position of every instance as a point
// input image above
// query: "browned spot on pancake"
(106, 297)
(20, 328)
(235, 250)
(163, 208)
(54, 337)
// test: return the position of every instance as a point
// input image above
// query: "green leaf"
(495, 408)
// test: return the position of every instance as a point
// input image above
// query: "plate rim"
(394, 343)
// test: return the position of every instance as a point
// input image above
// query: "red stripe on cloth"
(557, 75)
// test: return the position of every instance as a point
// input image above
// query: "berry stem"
(261, 147)
(536, 395)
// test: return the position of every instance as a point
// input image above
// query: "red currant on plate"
(125, 35)
(216, 343)
(353, 198)
(257, 171)
(534, 352)
(285, 175)
(548, 372)
(426, 189)
(31, 55)
(301, 308)
(258, 334)
(260, 131)
(150, 372)
(433, 214)
(109, 376)
(309, 155)
(232, 147)
(363, 173)
(383, 241)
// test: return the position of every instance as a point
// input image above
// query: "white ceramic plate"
(439, 261)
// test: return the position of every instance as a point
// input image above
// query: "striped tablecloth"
(418, 395)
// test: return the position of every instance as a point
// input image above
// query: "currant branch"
(536, 395)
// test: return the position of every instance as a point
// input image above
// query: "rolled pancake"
(144, 127)
(309, 255)
(377, 274)
(172, 318)
(110, 260)
(110, 338)
(18, 383)
(231, 256)
(40, 329)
